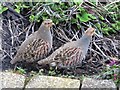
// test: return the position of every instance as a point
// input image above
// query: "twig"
(100, 50)
(11, 32)
(6, 53)
(113, 45)
(62, 34)
(27, 33)
(112, 3)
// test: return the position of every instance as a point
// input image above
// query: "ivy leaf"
(116, 25)
(17, 10)
(84, 17)
(2, 9)
(101, 17)
(91, 16)
(105, 30)
(24, 6)
(32, 17)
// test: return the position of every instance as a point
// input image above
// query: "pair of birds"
(39, 44)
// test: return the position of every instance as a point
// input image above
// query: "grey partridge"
(37, 45)
(72, 53)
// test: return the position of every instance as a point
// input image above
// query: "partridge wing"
(36, 50)
(69, 57)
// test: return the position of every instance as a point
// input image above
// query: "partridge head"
(48, 23)
(72, 53)
(37, 45)
(90, 31)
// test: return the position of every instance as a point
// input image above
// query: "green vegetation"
(104, 17)
(2, 9)
(20, 70)
(112, 72)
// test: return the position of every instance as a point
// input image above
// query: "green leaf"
(98, 25)
(105, 31)
(84, 17)
(116, 25)
(2, 9)
(77, 2)
(94, 1)
(32, 17)
(17, 6)
(101, 17)
(81, 9)
(91, 16)
(56, 21)
(17, 10)
(20, 70)
(24, 6)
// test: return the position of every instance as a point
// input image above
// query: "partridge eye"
(45, 23)
(92, 31)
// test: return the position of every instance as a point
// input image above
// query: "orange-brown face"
(48, 23)
(90, 31)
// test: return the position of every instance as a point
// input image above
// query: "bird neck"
(44, 30)
(85, 40)
(45, 33)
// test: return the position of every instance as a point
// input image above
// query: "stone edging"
(12, 80)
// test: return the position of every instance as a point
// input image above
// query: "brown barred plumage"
(69, 56)
(36, 50)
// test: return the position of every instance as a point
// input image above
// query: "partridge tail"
(44, 61)
(14, 60)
